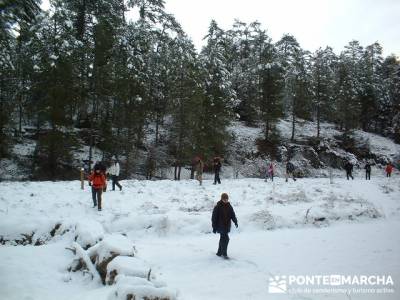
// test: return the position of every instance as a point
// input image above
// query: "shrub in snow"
(39, 234)
(334, 208)
(264, 219)
(291, 197)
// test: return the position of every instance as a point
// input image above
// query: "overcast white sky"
(314, 23)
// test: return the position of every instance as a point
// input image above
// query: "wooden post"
(82, 179)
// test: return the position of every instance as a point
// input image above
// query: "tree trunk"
(20, 118)
(267, 130)
(179, 171)
(293, 124)
(176, 172)
(90, 150)
(192, 172)
(318, 120)
(157, 129)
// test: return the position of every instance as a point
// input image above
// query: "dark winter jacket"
(348, 167)
(217, 166)
(289, 167)
(368, 168)
(222, 215)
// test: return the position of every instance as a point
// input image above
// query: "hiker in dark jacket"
(349, 170)
(367, 171)
(222, 216)
(290, 171)
(217, 170)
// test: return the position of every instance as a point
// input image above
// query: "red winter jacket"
(389, 169)
(98, 180)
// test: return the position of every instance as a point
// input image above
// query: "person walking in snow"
(290, 171)
(99, 165)
(98, 182)
(389, 169)
(199, 170)
(114, 170)
(349, 170)
(222, 216)
(271, 171)
(367, 171)
(217, 169)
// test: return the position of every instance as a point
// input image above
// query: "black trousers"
(216, 178)
(368, 175)
(388, 174)
(223, 244)
(348, 174)
(271, 175)
(114, 180)
(96, 196)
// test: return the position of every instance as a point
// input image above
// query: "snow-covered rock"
(88, 233)
(142, 292)
(129, 266)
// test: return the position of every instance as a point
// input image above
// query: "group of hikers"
(349, 170)
(223, 213)
(98, 178)
(198, 167)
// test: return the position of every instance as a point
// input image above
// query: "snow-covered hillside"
(305, 227)
(243, 159)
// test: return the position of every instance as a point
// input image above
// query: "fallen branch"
(85, 257)
(73, 250)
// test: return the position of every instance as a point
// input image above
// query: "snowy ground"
(307, 227)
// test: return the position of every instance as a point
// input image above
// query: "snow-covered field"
(307, 227)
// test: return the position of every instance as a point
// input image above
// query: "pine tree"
(349, 87)
(53, 86)
(296, 67)
(390, 109)
(186, 98)
(244, 43)
(15, 17)
(374, 97)
(272, 84)
(219, 99)
(322, 84)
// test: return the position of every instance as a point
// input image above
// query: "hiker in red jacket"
(389, 169)
(98, 181)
